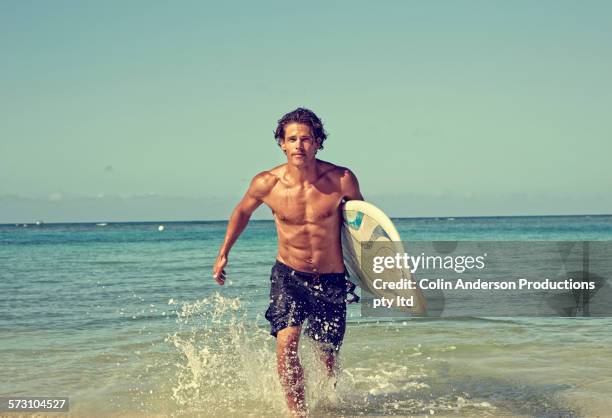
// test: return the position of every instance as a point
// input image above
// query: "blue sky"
(164, 111)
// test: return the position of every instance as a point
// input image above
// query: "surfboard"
(364, 223)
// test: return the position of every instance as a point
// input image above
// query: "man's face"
(299, 144)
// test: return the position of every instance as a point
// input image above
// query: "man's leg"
(290, 370)
(326, 326)
(329, 360)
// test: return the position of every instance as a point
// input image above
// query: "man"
(308, 281)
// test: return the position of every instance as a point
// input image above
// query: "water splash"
(226, 361)
(227, 364)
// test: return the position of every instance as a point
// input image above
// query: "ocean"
(125, 320)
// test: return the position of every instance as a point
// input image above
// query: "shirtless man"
(308, 281)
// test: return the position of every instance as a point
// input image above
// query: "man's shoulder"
(342, 178)
(334, 171)
(264, 182)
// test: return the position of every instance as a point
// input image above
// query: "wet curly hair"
(305, 116)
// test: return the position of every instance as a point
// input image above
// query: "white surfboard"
(362, 223)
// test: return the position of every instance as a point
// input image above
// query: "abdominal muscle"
(309, 247)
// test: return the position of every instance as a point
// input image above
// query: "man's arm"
(350, 186)
(259, 188)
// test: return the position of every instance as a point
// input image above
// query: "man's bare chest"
(300, 205)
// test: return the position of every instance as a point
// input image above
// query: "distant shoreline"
(434, 218)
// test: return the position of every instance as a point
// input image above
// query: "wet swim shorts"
(320, 298)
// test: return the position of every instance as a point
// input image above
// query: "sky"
(156, 110)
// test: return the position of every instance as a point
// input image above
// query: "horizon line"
(35, 223)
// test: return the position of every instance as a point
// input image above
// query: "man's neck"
(307, 173)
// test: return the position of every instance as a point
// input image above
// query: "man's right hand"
(218, 269)
(259, 188)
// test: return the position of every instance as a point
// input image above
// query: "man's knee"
(287, 341)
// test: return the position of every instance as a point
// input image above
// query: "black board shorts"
(297, 296)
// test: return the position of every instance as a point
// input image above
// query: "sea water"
(125, 320)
